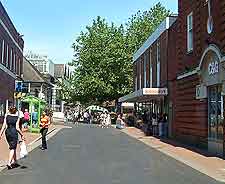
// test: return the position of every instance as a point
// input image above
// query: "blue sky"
(51, 26)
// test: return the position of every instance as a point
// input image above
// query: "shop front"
(148, 100)
(212, 87)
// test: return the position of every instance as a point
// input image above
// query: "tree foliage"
(103, 56)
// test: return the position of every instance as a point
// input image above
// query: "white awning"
(145, 94)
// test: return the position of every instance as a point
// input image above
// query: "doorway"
(215, 120)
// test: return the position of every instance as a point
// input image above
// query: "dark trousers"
(43, 134)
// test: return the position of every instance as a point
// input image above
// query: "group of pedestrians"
(105, 120)
(13, 132)
(102, 118)
(25, 118)
(155, 124)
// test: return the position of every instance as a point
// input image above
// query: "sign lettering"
(213, 68)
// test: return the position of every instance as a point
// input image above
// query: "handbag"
(23, 150)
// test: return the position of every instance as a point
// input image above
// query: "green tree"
(143, 24)
(103, 56)
(102, 65)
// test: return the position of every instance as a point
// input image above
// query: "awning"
(145, 94)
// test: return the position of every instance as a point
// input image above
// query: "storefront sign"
(155, 91)
(213, 68)
(201, 92)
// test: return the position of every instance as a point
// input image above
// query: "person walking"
(161, 122)
(20, 114)
(26, 119)
(154, 125)
(103, 119)
(119, 122)
(35, 119)
(86, 117)
(11, 129)
(45, 122)
(108, 120)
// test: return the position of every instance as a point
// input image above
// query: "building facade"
(41, 62)
(11, 60)
(200, 86)
(154, 71)
(63, 72)
(37, 85)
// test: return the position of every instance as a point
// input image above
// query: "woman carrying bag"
(11, 128)
(45, 122)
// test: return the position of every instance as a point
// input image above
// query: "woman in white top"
(108, 120)
(119, 122)
(154, 125)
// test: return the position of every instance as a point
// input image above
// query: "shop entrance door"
(215, 120)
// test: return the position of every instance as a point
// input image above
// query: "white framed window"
(151, 74)
(145, 73)
(140, 78)
(158, 65)
(19, 67)
(14, 63)
(3, 50)
(190, 32)
(11, 60)
(7, 56)
(136, 86)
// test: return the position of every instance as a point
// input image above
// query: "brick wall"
(201, 39)
(11, 58)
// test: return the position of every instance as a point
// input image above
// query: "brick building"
(200, 87)
(154, 71)
(11, 59)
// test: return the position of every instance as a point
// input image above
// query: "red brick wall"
(164, 59)
(201, 38)
(191, 115)
(8, 41)
(7, 83)
(6, 19)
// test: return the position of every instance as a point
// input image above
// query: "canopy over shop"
(151, 99)
(34, 103)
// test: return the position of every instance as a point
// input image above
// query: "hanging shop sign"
(201, 92)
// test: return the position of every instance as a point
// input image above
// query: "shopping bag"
(23, 150)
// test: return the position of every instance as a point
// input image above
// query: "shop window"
(190, 32)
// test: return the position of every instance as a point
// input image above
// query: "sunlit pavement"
(88, 154)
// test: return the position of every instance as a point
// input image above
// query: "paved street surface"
(90, 155)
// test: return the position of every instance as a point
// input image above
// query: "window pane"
(212, 113)
(190, 22)
(145, 74)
